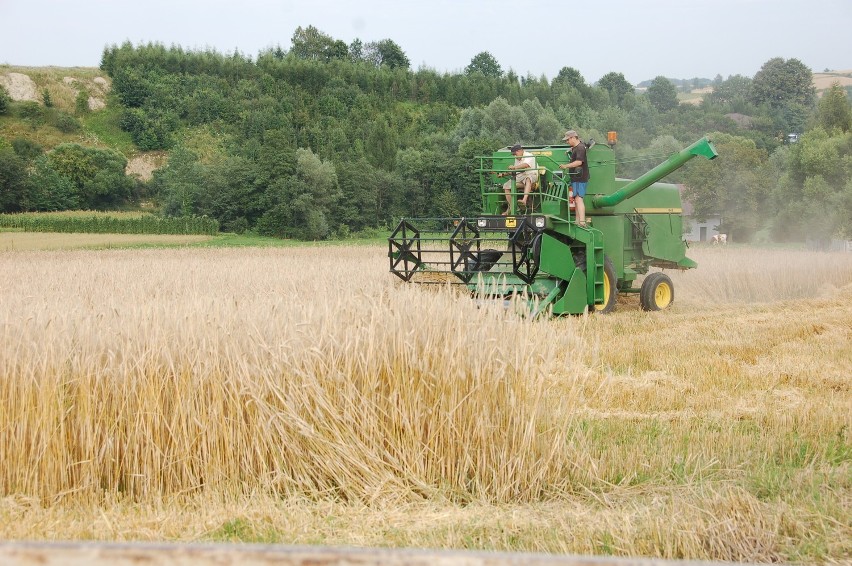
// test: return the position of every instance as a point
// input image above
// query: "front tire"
(657, 292)
(610, 289)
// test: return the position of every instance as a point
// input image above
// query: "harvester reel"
(524, 261)
(464, 237)
(404, 250)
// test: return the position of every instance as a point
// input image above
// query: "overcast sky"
(640, 38)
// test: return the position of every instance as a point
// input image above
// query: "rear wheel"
(657, 292)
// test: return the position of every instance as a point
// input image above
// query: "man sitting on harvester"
(528, 176)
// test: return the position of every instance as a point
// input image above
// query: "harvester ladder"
(595, 264)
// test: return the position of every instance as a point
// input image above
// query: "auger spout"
(702, 147)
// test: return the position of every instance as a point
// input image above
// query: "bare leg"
(507, 188)
(581, 210)
(527, 190)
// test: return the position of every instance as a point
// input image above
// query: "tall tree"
(571, 77)
(733, 88)
(834, 110)
(486, 64)
(386, 52)
(662, 94)
(617, 86)
(780, 83)
(311, 43)
(13, 181)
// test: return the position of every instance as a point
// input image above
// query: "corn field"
(109, 223)
(251, 394)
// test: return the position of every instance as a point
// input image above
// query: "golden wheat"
(193, 394)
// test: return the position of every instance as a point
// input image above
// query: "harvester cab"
(540, 251)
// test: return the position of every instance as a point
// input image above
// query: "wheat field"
(304, 395)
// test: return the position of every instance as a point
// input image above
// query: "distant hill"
(824, 80)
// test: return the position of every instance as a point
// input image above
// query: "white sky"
(640, 38)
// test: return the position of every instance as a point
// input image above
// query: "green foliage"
(13, 180)
(735, 186)
(662, 94)
(66, 123)
(97, 174)
(382, 144)
(571, 77)
(387, 52)
(81, 102)
(312, 44)
(734, 88)
(485, 63)
(394, 141)
(151, 130)
(49, 190)
(46, 98)
(5, 100)
(818, 177)
(780, 83)
(31, 112)
(179, 185)
(27, 149)
(618, 88)
(834, 110)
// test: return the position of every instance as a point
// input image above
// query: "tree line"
(326, 138)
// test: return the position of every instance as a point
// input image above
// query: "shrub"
(66, 123)
(81, 103)
(26, 149)
(5, 100)
(46, 99)
(32, 112)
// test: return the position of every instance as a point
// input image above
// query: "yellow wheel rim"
(663, 295)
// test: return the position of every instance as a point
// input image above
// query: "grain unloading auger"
(541, 251)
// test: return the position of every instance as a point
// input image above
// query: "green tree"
(27, 149)
(46, 99)
(179, 185)
(97, 174)
(382, 145)
(734, 88)
(571, 77)
(387, 53)
(780, 83)
(834, 110)
(50, 191)
(81, 102)
(13, 181)
(5, 100)
(617, 87)
(662, 94)
(735, 186)
(312, 44)
(485, 63)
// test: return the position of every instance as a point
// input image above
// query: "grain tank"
(540, 251)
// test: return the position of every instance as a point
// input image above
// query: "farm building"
(698, 229)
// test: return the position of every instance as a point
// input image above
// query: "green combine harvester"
(541, 252)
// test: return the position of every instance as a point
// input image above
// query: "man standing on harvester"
(578, 169)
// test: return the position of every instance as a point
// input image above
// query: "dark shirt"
(579, 174)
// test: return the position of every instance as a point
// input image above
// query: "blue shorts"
(579, 189)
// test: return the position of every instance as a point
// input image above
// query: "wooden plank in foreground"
(175, 554)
